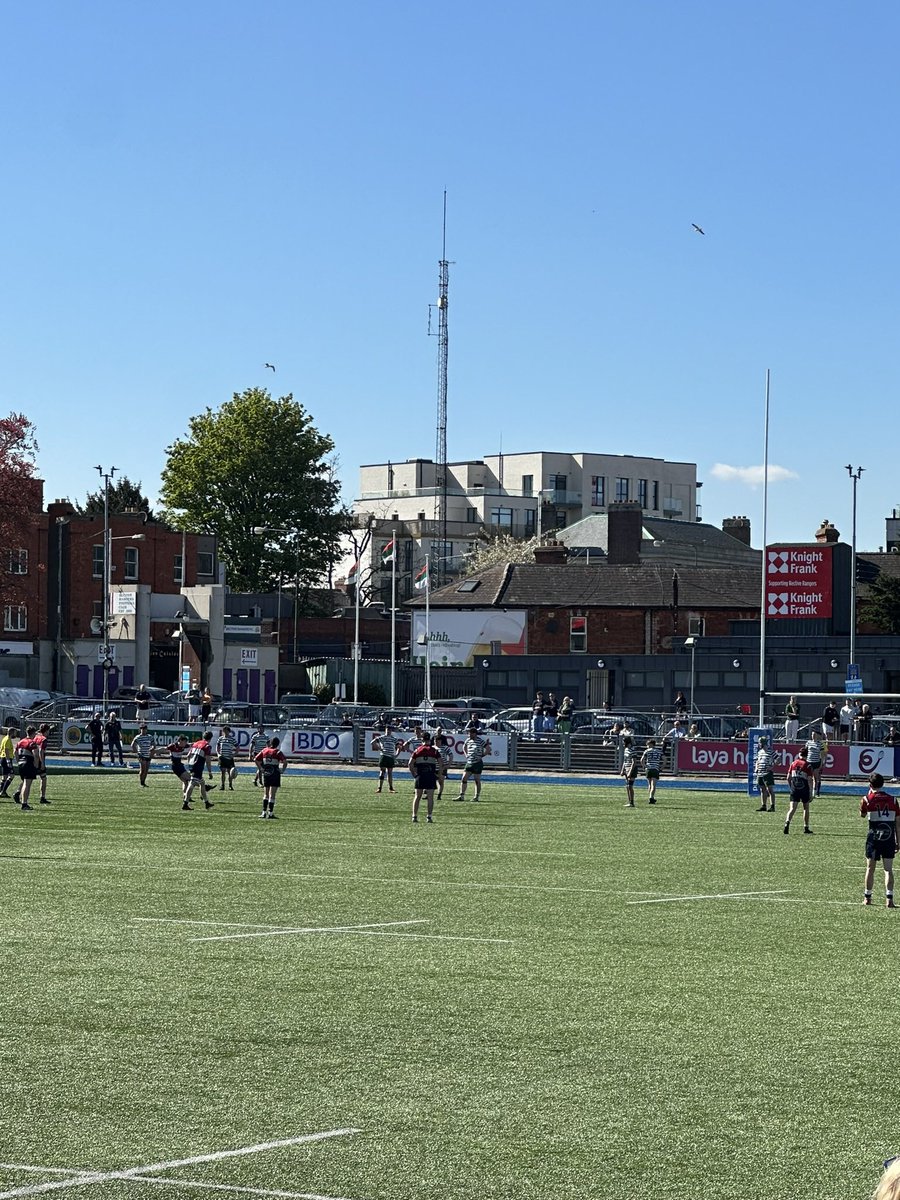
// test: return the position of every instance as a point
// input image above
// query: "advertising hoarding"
(798, 582)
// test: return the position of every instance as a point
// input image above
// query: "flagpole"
(427, 633)
(393, 618)
(356, 637)
(763, 602)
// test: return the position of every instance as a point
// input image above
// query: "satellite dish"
(96, 625)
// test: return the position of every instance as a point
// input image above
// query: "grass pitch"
(508, 1004)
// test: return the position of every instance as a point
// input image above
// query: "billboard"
(798, 582)
(457, 639)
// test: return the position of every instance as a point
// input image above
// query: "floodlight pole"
(107, 548)
(854, 475)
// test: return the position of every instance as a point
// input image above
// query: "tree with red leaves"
(17, 496)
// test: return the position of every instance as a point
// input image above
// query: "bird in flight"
(693, 226)
(271, 368)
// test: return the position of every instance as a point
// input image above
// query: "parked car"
(513, 720)
(300, 700)
(477, 706)
(156, 694)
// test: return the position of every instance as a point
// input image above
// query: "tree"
(881, 606)
(123, 495)
(19, 496)
(501, 548)
(258, 463)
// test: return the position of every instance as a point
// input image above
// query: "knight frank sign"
(798, 582)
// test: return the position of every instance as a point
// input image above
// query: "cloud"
(752, 476)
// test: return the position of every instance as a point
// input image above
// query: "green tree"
(881, 606)
(123, 495)
(258, 463)
(19, 500)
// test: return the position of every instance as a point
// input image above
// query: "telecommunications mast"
(439, 561)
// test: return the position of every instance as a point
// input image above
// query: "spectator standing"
(883, 813)
(680, 704)
(95, 730)
(864, 724)
(893, 736)
(113, 732)
(551, 712)
(206, 703)
(566, 713)
(847, 715)
(830, 718)
(791, 720)
(141, 704)
(537, 714)
(194, 697)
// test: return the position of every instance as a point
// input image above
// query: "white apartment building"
(520, 494)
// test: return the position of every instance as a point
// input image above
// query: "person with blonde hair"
(889, 1184)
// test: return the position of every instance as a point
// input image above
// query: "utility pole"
(106, 476)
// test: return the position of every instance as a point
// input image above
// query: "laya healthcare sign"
(798, 582)
(457, 639)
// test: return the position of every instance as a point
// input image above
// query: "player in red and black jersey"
(799, 777)
(424, 766)
(883, 812)
(28, 754)
(270, 762)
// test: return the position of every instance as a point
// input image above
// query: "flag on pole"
(388, 553)
(353, 572)
(421, 580)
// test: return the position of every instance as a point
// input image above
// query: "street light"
(692, 642)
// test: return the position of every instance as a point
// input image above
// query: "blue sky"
(192, 189)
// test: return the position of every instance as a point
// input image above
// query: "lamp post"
(692, 642)
(854, 475)
(106, 476)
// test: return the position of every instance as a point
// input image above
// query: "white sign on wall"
(123, 603)
(249, 656)
(456, 639)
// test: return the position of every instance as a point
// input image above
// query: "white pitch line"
(154, 1168)
(709, 896)
(228, 1187)
(190, 921)
(276, 932)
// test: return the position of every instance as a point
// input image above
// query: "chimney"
(625, 526)
(738, 527)
(827, 533)
(551, 553)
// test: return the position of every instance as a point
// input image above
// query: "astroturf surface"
(492, 1002)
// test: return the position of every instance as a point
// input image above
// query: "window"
(642, 493)
(527, 485)
(15, 618)
(471, 516)
(503, 517)
(655, 495)
(530, 515)
(578, 635)
(97, 561)
(561, 518)
(131, 563)
(622, 488)
(18, 562)
(598, 491)
(177, 570)
(558, 484)
(696, 626)
(205, 562)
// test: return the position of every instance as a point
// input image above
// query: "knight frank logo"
(799, 582)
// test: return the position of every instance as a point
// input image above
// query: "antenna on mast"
(440, 457)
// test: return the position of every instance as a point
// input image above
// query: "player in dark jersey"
(883, 812)
(799, 777)
(424, 766)
(270, 762)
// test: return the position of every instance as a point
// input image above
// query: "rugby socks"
(867, 897)
(889, 900)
